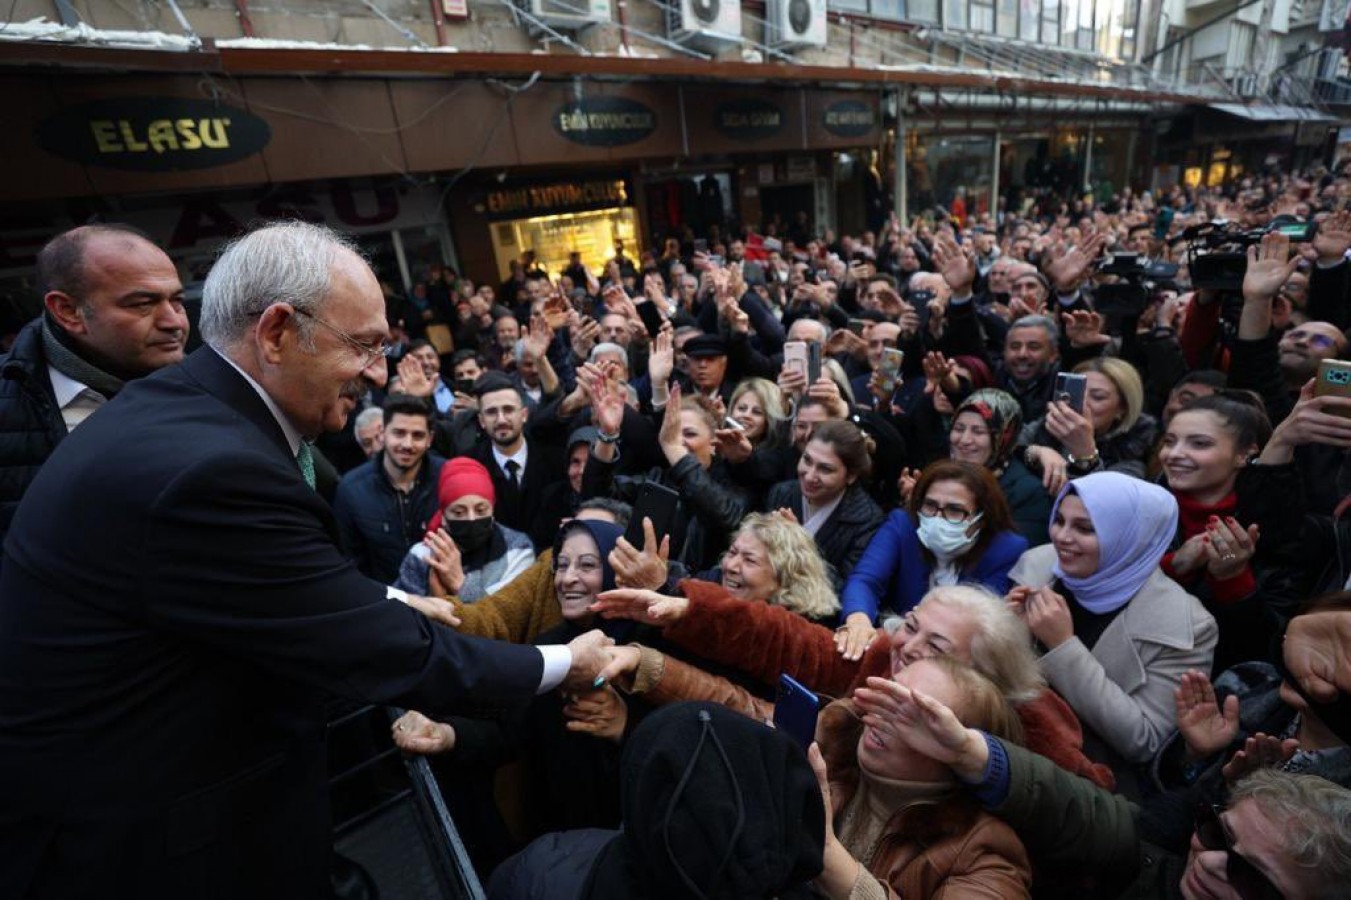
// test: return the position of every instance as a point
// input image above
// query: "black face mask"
(470, 535)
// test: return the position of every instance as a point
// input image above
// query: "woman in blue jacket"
(957, 529)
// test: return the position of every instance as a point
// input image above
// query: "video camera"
(1139, 280)
(1217, 252)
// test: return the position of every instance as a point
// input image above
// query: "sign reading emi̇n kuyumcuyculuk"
(153, 134)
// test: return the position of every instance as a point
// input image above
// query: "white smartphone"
(795, 357)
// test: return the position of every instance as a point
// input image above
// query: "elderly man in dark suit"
(174, 608)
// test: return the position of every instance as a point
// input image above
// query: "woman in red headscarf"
(466, 554)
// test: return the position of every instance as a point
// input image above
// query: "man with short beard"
(383, 507)
(521, 468)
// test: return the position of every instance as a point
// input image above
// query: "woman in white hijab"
(1118, 633)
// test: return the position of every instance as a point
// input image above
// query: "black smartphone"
(464, 385)
(857, 326)
(658, 503)
(795, 710)
(813, 362)
(1071, 388)
(651, 316)
(700, 245)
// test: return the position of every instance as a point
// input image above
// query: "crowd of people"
(1044, 521)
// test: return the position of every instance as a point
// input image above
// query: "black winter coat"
(845, 535)
(30, 422)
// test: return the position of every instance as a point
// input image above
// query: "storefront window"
(592, 234)
(954, 172)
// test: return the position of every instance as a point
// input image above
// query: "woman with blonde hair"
(780, 549)
(1110, 434)
(757, 406)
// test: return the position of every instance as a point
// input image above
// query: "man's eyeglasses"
(369, 353)
(952, 512)
(1245, 878)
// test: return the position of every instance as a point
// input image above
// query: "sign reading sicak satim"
(748, 119)
(605, 121)
(153, 134)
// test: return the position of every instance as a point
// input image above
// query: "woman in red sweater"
(1238, 520)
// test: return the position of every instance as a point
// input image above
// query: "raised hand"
(1205, 726)
(1070, 269)
(583, 336)
(1333, 238)
(1084, 329)
(644, 569)
(538, 336)
(1048, 618)
(1270, 266)
(607, 404)
(828, 392)
(905, 716)
(956, 264)
(436, 609)
(661, 359)
(647, 607)
(1261, 751)
(412, 380)
(905, 484)
(668, 438)
(733, 445)
(1054, 468)
(1190, 556)
(445, 562)
(1071, 428)
(415, 733)
(1230, 547)
(940, 372)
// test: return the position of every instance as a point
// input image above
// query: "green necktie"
(305, 459)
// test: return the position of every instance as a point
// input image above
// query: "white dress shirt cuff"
(393, 593)
(557, 662)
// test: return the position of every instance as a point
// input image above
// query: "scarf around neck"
(64, 358)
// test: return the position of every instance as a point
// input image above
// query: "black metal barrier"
(392, 834)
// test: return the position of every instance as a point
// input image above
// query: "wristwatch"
(1084, 464)
(607, 438)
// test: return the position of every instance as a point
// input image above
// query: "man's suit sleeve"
(253, 572)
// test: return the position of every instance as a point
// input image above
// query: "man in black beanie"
(715, 805)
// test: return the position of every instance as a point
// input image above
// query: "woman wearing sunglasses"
(956, 529)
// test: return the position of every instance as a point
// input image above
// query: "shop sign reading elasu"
(153, 134)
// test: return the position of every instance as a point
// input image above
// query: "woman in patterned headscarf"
(985, 432)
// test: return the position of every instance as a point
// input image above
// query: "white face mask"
(947, 540)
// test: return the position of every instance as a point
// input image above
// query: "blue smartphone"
(795, 710)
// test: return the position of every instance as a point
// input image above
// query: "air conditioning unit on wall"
(795, 23)
(569, 15)
(706, 24)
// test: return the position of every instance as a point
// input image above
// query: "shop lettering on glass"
(748, 119)
(559, 197)
(154, 134)
(605, 121)
(849, 118)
